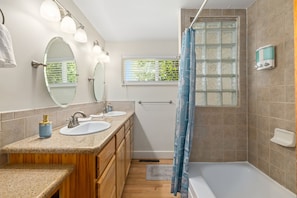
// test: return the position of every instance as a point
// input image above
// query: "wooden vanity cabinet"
(96, 175)
(120, 162)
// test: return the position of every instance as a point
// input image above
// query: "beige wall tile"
(13, 130)
(276, 109)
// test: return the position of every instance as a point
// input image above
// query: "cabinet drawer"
(120, 136)
(106, 185)
(127, 126)
(104, 156)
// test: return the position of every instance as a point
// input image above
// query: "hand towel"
(7, 58)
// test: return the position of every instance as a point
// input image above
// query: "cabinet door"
(106, 185)
(120, 169)
(128, 152)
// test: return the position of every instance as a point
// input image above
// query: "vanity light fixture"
(67, 24)
(81, 35)
(52, 10)
(106, 58)
(96, 48)
(100, 53)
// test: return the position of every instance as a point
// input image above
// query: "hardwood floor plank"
(138, 187)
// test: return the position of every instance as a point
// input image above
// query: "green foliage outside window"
(145, 71)
(168, 70)
(153, 70)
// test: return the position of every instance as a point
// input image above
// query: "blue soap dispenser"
(45, 128)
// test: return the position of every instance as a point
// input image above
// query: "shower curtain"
(185, 114)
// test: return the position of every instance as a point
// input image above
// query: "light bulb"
(68, 25)
(96, 48)
(101, 55)
(50, 11)
(106, 58)
(81, 35)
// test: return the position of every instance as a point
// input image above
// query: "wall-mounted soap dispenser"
(265, 57)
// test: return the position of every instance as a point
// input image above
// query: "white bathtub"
(232, 180)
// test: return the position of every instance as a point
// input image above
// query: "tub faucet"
(73, 121)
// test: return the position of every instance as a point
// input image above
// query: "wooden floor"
(138, 187)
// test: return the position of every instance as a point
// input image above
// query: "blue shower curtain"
(185, 115)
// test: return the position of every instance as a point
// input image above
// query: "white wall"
(23, 87)
(154, 124)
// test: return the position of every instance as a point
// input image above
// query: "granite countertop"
(32, 181)
(58, 143)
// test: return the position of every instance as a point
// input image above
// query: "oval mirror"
(99, 81)
(61, 72)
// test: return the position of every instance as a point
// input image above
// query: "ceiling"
(135, 20)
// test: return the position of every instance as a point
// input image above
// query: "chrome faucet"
(73, 122)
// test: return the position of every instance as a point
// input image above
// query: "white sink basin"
(86, 128)
(115, 113)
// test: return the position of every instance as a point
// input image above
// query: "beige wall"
(23, 87)
(154, 123)
(221, 132)
(271, 92)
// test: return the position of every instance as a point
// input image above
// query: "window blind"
(150, 70)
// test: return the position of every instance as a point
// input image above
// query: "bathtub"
(232, 180)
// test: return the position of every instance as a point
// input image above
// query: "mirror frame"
(99, 82)
(59, 87)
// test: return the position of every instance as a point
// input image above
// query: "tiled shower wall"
(17, 125)
(271, 92)
(221, 132)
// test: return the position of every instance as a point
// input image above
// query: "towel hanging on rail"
(7, 58)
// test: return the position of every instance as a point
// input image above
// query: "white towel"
(7, 58)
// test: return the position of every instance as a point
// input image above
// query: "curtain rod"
(198, 13)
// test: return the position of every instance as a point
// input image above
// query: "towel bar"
(155, 102)
(3, 18)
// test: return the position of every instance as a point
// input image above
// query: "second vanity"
(101, 160)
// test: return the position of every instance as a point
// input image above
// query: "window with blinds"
(144, 71)
(216, 42)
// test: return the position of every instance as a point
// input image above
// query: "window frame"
(147, 83)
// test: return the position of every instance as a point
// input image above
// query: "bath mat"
(158, 172)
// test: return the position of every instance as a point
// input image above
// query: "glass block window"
(150, 71)
(217, 61)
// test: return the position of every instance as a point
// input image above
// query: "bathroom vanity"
(102, 160)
